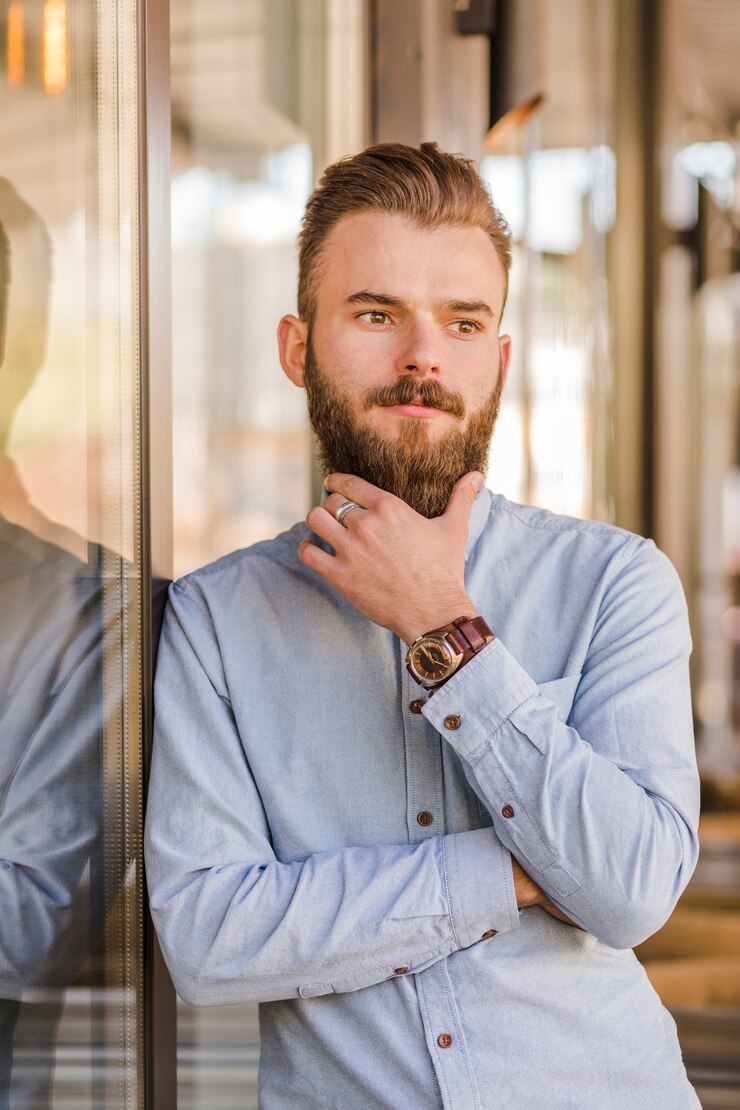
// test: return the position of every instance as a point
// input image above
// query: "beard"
(413, 466)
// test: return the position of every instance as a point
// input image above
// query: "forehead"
(392, 254)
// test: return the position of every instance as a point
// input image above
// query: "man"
(59, 623)
(428, 857)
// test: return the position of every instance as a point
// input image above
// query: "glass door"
(71, 555)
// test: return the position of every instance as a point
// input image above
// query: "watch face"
(432, 659)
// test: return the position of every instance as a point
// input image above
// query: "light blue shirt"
(317, 843)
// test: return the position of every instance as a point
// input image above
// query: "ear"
(292, 334)
(504, 347)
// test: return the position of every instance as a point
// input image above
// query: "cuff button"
(452, 722)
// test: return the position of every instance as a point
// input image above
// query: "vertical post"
(633, 261)
(159, 1014)
(429, 81)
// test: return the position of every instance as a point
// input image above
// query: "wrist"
(435, 616)
(439, 653)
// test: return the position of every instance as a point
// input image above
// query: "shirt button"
(452, 722)
(424, 818)
(507, 811)
(488, 934)
(444, 1040)
(400, 970)
(416, 705)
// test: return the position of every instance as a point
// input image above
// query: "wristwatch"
(435, 656)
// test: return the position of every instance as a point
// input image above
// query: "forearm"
(611, 852)
(240, 915)
(335, 922)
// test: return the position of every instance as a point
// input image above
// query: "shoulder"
(265, 560)
(588, 556)
(561, 536)
(546, 522)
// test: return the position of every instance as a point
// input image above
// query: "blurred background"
(154, 163)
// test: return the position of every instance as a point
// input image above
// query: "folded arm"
(601, 811)
(237, 923)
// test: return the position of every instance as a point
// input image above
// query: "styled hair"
(426, 185)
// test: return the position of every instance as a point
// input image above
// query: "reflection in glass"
(70, 881)
(50, 689)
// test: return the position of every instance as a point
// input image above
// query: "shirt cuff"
(480, 698)
(480, 883)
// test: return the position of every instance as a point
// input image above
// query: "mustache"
(405, 390)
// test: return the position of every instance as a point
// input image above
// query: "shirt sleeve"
(601, 809)
(51, 821)
(238, 924)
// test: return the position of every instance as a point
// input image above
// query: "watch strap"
(463, 638)
(467, 635)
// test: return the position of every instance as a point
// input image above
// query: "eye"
(375, 316)
(466, 327)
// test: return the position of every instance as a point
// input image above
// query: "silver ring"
(346, 507)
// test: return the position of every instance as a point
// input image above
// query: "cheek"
(356, 361)
(482, 378)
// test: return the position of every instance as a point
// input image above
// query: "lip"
(421, 412)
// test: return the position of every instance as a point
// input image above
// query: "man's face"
(404, 365)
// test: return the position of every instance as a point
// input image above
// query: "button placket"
(448, 1050)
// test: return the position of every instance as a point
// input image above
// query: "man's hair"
(426, 185)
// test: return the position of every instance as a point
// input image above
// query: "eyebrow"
(366, 296)
(479, 307)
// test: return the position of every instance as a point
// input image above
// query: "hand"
(398, 568)
(529, 894)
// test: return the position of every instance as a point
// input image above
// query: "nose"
(419, 352)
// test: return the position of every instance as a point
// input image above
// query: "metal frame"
(159, 1033)
(633, 262)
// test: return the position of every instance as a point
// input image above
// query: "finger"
(463, 495)
(323, 523)
(356, 489)
(333, 502)
(315, 559)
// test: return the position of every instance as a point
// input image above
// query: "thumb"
(463, 495)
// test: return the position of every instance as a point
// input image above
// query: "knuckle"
(362, 523)
(389, 509)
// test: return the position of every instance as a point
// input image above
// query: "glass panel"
(264, 93)
(554, 180)
(694, 962)
(70, 559)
